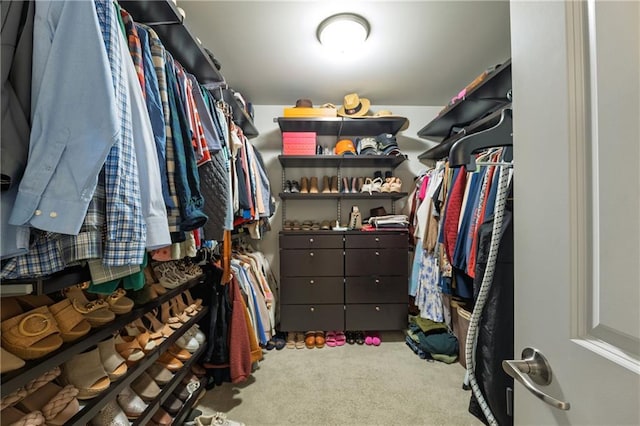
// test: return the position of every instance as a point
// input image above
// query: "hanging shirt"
(66, 153)
(154, 108)
(159, 55)
(126, 230)
(17, 51)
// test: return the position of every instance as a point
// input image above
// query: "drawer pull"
(310, 240)
(377, 239)
(312, 309)
(311, 254)
(311, 281)
(377, 281)
(377, 253)
(378, 308)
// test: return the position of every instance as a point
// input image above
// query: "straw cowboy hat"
(354, 106)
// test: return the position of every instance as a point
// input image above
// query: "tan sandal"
(118, 303)
(156, 325)
(166, 317)
(71, 322)
(197, 303)
(11, 416)
(35, 384)
(31, 335)
(97, 312)
(86, 372)
(396, 185)
(9, 362)
(58, 405)
(142, 335)
(129, 348)
(114, 364)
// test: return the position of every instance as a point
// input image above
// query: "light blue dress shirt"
(74, 118)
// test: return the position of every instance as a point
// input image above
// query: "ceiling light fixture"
(343, 32)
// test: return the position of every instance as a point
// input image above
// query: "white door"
(576, 91)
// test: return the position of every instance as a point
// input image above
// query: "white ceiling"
(418, 52)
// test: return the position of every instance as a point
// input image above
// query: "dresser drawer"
(377, 241)
(366, 262)
(311, 290)
(311, 241)
(376, 316)
(312, 263)
(312, 317)
(376, 289)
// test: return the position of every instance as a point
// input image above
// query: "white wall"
(269, 143)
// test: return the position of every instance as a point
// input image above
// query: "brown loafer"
(310, 339)
(319, 339)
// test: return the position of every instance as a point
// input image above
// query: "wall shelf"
(342, 196)
(489, 95)
(185, 48)
(342, 126)
(341, 161)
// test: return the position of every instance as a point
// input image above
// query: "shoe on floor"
(218, 419)
(291, 340)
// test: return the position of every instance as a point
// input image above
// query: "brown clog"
(319, 339)
(310, 339)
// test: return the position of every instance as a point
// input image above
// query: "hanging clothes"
(17, 47)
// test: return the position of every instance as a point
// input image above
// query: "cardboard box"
(310, 112)
(299, 143)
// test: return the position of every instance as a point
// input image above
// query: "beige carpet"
(347, 385)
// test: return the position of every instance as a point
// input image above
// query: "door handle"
(533, 369)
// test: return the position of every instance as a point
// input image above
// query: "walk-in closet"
(248, 213)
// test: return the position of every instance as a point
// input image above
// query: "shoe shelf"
(94, 405)
(489, 95)
(342, 126)
(342, 195)
(167, 389)
(190, 403)
(341, 161)
(53, 283)
(35, 368)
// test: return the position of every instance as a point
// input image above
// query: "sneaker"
(218, 419)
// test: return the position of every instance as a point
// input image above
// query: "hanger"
(501, 134)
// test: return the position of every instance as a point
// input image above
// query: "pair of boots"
(310, 186)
